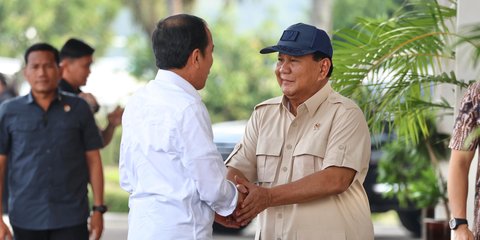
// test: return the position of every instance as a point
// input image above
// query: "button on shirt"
(47, 168)
(279, 148)
(169, 163)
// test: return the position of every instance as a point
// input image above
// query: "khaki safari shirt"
(279, 148)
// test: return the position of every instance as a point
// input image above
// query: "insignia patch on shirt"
(66, 108)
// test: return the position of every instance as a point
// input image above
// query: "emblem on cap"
(289, 35)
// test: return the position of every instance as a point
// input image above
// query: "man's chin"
(286, 91)
(43, 90)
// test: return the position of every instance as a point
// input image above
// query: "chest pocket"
(23, 127)
(307, 158)
(67, 128)
(26, 132)
(268, 158)
(68, 131)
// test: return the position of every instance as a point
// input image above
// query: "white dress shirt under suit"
(170, 165)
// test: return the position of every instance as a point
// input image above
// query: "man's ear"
(194, 57)
(325, 66)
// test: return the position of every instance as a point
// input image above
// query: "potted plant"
(412, 170)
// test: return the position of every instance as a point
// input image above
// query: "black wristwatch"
(455, 222)
(100, 208)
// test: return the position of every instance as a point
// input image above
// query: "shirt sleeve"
(4, 135)
(465, 136)
(204, 163)
(243, 156)
(349, 141)
(91, 134)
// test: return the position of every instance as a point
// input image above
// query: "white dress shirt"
(170, 165)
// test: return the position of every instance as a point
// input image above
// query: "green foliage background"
(54, 21)
(240, 77)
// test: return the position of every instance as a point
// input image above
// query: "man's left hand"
(96, 225)
(228, 221)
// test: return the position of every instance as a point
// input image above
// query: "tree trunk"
(148, 12)
(321, 14)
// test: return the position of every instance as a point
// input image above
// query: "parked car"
(227, 134)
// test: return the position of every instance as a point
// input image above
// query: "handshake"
(252, 200)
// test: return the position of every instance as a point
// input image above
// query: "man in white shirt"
(168, 161)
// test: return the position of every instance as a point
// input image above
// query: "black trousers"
(78, 232)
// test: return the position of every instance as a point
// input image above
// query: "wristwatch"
(100, 208)
(455, 222)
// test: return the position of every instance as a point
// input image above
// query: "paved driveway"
(116, 229)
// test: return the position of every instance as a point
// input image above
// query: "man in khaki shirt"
(308, 151)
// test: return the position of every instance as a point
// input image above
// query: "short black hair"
(174, 39)
(317, 56)
(42, 47)
(75, 48)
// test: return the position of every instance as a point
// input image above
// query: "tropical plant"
(411, 170)
(401, 60)
(392, 68)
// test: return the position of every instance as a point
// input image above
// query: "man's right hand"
(462, 233)
(230, 221)
(5, 232)
(257, 200)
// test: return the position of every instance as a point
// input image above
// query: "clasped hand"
(252, 200)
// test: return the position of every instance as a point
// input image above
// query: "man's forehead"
(37, 56)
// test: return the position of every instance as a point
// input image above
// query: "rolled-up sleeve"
(465, 133)
(243, 157)
(348, 141)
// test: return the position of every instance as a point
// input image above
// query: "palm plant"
(392, 67)
(400, 60)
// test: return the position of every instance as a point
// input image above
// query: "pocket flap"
(67, 125)
(269, 146)
(313, 148)
(24, 126)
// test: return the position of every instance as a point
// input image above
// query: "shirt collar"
(30, 98)
(314, 102)
(67, 87)
(177, 80)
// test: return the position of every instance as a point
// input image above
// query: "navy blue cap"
(302, 39)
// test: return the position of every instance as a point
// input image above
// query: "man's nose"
(42, 71)
(284, 67)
